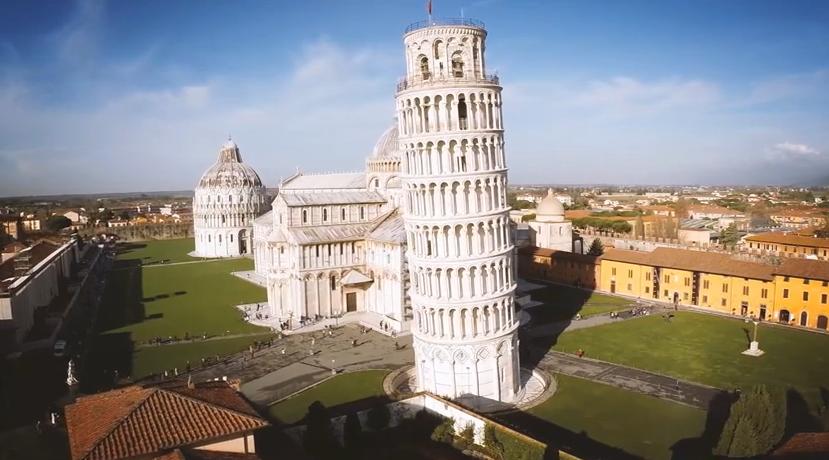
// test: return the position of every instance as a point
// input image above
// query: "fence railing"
(430, 79)
(468, 22)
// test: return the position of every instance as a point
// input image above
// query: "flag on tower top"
(429, 7)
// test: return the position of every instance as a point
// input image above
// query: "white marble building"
(549, 229)
(229, 197)
(456, 216)
(334, 243)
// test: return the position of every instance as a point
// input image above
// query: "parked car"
(60, 348)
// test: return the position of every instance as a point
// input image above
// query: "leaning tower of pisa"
(457, 218)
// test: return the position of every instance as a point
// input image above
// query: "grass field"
(151, 252)
(341, 389)
(706, 349)
(562, 303)
(145, 300)
(638, 424)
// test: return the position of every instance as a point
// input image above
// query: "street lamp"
(754, 346)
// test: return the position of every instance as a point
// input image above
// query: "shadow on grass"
(560, 306)
(559, 438)
(701, 447)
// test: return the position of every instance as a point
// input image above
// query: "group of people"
(257, 314)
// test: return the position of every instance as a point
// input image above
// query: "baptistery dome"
(229, 196)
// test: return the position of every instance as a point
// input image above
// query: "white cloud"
(791, 150)
(626, 96)
(327, 109)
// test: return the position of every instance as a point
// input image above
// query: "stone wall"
(143, 232)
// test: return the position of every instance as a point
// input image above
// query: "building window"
(666, 293)
(667, 278)
(705, 284)
(317, 250)
(647, 276)
(823, 298)
(342, 214)
(785, 278)
(362, 212)
(764, 293)
(724, 302)
(684, 296)
(630, 273)
(333, 282)
(724, 288)
(304, 216)
(630, 287)
(220, 238)
(705, 299)
(325, 215)
(687, 281)
(647, 290)
(613, 271)
(231, 238)
(745, 290)
(457, 65)
(805, 295)
(826, 284)
(785, 293)
(805, 281)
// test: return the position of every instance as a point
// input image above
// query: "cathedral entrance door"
(351, 301)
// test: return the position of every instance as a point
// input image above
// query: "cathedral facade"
(335, 243)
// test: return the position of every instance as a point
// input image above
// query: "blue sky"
(102, 96)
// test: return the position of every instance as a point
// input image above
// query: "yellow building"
(803, 292)
(721, 283)
(789, 245)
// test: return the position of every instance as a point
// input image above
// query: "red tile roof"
(557, 254)
(790, 239)
(697, 261)
(804, 268)
(201, 454)
(804, 446)
(141, 421)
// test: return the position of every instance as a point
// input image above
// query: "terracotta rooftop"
(804, 268)
(792, 239)
(145, 421)
(39, 251)
(698, 261)
(201, 454)
(804, 446)
(556, 254)
(713, 209)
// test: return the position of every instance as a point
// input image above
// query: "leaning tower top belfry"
(460, 250)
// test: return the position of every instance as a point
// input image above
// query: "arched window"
(304, 216)
(231, 237)
(457, 65)
(220, 238)
(224, 219)
(424, 68)
(462, 111)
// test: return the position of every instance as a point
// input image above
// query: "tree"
(596, 248)
(445, 432)
(57, 222)
(352, 432)
(378, 417)
(467, 436)
(729, 236)
(528, 217)
(639, 227)
(755, 425)
(681, 208)
(491, 441)
(319, 440)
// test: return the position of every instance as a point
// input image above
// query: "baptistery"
(229, 196)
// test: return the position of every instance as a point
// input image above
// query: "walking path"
(200, 340)
(628, 378)
(271, 375)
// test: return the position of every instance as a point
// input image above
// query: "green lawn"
(706, 349)
(157, 300)
(562, 303)
(341, 389)
(638, 424)
(151, 252)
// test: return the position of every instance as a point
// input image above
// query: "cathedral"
(335, 243)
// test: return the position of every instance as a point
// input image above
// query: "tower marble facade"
(459, 246)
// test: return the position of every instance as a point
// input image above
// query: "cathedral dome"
(229, 171)
(387, 145)
(550, 206)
